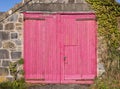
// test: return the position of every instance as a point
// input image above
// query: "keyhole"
(65, 58)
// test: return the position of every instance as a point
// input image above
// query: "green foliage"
(107, 12)
(21, 61)
(106, 83)
(17, 84)
(13, 68)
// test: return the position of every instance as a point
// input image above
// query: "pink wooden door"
(34, 58)
(79, 47)
(42, 62)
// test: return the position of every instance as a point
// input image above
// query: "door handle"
(65, 60)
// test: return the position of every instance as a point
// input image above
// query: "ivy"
(107, 12)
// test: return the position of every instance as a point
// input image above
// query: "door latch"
(65, 58)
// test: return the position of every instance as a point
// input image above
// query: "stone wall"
(11, 42)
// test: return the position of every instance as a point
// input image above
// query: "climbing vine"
(107, 12)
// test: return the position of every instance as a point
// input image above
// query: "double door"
(60, 48)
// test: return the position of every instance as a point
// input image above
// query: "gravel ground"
(60, 86)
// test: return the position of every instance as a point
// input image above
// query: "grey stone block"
(1, 26)
(18, 24)
(4, 54)
(81, 1)
(4, 71)
(101, 69)
(101, 66)
(14, 18)
(16, 55)
(20, 20)
(18, 28)
(18, 42)
(9, 26)
(14, 35)
(0, 62)
(71, 1)
(0, 44)
(4, 36)
(5, 63)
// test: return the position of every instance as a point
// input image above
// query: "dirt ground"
(61, 86)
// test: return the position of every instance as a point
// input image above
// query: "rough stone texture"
(18, 42)
(14, 17)
(9, 45)
(71, 1)
(0, 63)
(19, 49)
(4, 71)
(49, 1)
(81, 1)
(9, 26)
(62, 86)
(14, 35)
(0, 44)
(1, 26)
(16, 55)
(102, 50)
(4, 54)
(4, 36)
(56, 7)
(58, 1)
(18, 24)
(18, 28)
(101, 68)
(5, 63)
(20, 20)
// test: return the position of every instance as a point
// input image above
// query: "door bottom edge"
(61, 82)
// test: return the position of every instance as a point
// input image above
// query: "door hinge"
(34, 18)
(42, 79)
(85, 19)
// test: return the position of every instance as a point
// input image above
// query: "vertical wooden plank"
(52, 66)
(70, 48)
(88, 47)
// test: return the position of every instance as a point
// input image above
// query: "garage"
(60, 47)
